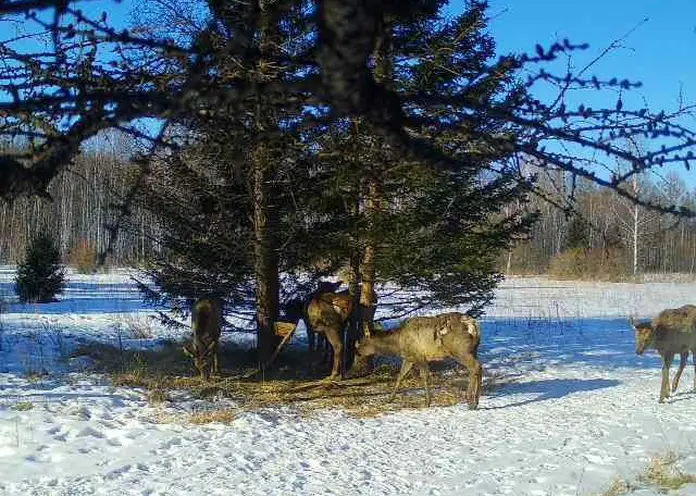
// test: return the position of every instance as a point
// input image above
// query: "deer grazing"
(206, 324)
(327, 314)
(296, 309)
(424, 339)
(672, 331)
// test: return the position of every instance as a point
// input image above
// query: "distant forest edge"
(607, 237)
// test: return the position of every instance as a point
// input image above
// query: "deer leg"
(334, 337)
(323, 347)
(473, 392)
(667, 359)
(406, 367)
(684, 357)
(425, 374)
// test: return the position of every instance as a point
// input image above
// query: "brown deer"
(317, 341)
(327, 314)
(206, 324)
(424, 339)
(672, 331)
(296, 309)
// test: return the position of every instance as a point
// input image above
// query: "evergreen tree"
(40, 277)
(578, 233)
(223, 193)
(433, 230)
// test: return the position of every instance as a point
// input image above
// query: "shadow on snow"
(550, 389)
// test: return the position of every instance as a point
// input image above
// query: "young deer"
(206, 324)
(424, 339)
(672, 331)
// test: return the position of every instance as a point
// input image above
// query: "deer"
(672, 331)
(206, 324)
(296, 309)
(327, 314)
(314, 340)
(420, 340)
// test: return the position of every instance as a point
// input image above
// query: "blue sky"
(660, 52)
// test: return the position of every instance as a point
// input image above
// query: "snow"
(575, 408)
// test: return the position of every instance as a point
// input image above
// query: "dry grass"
(83, 257)
(589, 265)
(224, 416)
(22, 406)
(662, 473)
(297, 380)
(139, 326)
(619, 487)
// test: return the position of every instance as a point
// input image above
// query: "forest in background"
(83, 211)
(605, 236)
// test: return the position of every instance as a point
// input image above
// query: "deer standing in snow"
(672, 331)
(424, 339)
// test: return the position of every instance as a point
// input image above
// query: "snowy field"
(578, 409)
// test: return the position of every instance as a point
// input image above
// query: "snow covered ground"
(578, 410)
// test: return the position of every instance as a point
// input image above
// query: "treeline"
(608, 233)
(84, 205)
(601, 224)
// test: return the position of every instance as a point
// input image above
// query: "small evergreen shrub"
(40, 277)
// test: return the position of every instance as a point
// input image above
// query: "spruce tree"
(40, 277)
(432, 230)
(223, 194)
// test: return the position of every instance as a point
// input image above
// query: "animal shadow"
(550, 389)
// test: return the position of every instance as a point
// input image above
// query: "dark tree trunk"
(265, 259)
(354, 330)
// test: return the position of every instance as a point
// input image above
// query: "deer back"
(438, 337)
(675, 329)
(329, 309)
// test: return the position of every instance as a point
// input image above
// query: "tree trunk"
(367, 294)
(265, 258)
(636, 226)
(383, 74)
(354, 331)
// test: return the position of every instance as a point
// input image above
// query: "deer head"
(645, 334)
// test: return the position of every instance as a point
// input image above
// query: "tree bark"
(367, 293)
(265, 257)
